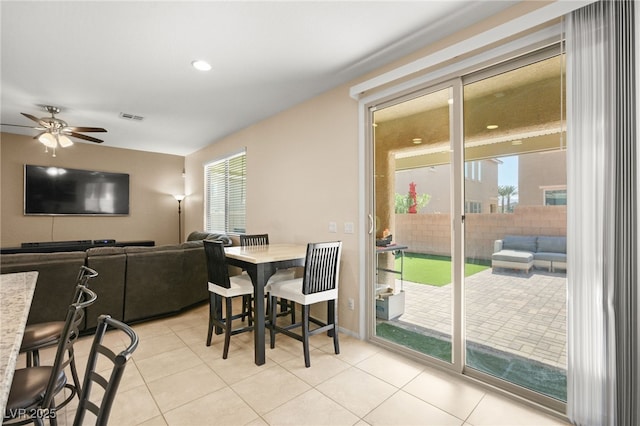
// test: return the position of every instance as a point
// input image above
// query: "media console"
(76, 245)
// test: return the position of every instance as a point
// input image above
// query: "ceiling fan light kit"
(56, 131)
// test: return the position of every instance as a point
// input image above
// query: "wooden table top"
(267, 253)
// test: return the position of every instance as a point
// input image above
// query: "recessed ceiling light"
(417, 141)
(518, 142)
(201, 65)
(492, 126)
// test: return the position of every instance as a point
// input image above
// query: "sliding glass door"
(414, 291)
(469, 184)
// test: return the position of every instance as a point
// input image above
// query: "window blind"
(225, 194)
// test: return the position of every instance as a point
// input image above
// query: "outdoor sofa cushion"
(552, 245)
(519, 243)
(513, 256)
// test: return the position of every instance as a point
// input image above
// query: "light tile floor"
(174, 379)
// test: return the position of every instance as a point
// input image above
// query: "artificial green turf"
(432, 270)
(530, 374)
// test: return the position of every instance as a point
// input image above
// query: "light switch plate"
(333, 227)
(348, 227)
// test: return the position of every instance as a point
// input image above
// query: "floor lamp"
(179, 198)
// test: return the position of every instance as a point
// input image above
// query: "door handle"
(370, 224)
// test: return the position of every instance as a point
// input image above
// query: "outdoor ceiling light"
(201, 65)
(417, 141)
(492, 126)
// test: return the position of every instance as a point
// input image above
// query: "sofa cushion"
(104, 251)
(109, 285)
(57, 275)
(144, 249)
(513, 256)
(519, 242)
(199, 235)
(552, 244)
(550, 257)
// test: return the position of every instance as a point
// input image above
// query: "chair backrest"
(84, 275)
(217, 268)
(108, 379)
(322, 267)
(70, 333)
(254, 240)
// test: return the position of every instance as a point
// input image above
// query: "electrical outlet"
(333, 227)
(348, 227)
(351, 303)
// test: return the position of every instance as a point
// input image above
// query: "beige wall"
(302, 173)
(540, 170)
(153, 178)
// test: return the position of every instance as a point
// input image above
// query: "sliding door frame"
(451, 76)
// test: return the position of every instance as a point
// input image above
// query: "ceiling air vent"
(133, 117)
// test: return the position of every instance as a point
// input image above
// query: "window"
(555, 197)
(225, 194)
(473, 207)
(473, 170)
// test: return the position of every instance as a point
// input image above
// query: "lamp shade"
(179, 197)
(48, 140)
(64, 141)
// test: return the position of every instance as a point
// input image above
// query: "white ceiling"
(96, 59)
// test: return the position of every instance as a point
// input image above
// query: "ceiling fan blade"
(36, 119)
(84, 129)
(85, 137)
(20, 125)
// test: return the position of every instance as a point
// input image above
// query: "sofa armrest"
(497, 246)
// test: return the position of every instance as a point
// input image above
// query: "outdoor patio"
(513, 312)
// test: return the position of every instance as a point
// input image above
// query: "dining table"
(16, 293)
(261, 262)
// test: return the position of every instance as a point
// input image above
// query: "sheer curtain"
(602, 207)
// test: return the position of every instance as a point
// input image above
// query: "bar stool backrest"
(70, 333)
(254, 240)
(109, 380)
(322, 267)
(217, 268)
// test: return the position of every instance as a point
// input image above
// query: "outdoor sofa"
(525, 252)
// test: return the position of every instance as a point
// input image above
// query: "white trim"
(227, 156)
(494, 35)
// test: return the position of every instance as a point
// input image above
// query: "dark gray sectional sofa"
(526, 252)
(133, 284)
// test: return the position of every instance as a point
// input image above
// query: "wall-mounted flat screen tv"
(63, 191)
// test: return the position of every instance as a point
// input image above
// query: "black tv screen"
(63, 191)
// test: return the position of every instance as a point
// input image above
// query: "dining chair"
(33, 389)
(46, 334)
(108, 378)
(319, 283)
(222, 285)
(286, 307)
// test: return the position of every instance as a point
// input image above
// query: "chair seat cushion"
(37, 336)
(29, 385)
(240, 285)
(279, 276)
(292, 290)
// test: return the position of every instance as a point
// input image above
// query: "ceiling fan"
(55, 131)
